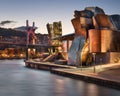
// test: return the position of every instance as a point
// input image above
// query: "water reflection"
(17, 80)
(72, 87)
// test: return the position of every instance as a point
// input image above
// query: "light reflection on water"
(17, 80)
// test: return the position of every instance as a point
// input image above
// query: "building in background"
(96, 37)
(55, 30)
(12, 43)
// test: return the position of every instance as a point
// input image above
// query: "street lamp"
(81, 60)
(27, 46)
(27, 39)
(94, 56)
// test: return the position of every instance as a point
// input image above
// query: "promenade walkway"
(108, 71)
(108, 74)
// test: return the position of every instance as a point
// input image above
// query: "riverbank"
(105, 75)
(45, 65)
(108, 76)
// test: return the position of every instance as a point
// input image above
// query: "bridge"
(25, 45)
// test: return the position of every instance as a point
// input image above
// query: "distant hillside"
(11, 32)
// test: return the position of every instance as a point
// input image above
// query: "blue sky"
(49, 11)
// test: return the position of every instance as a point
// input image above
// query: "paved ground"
(105, 71)
(108, 71)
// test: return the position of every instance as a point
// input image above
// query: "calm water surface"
(17, 80)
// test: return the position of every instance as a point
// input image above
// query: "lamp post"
(94, 56)
(27, 39)
(81, 60)
(27, 46)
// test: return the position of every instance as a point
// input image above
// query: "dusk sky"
(49, 11)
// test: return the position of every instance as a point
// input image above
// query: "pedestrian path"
(107, 75)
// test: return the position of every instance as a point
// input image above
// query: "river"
(17, 80)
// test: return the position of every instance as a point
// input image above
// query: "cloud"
(2, 23)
